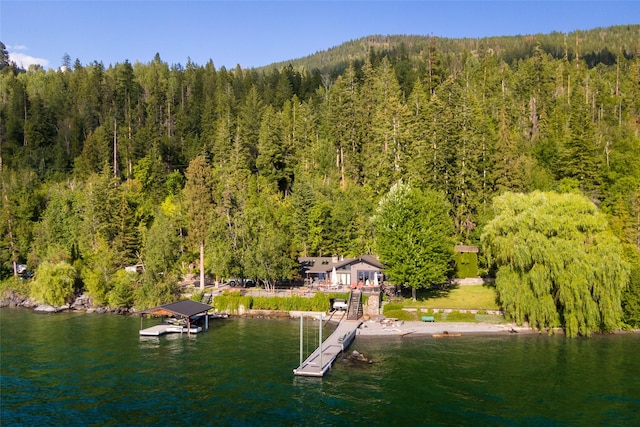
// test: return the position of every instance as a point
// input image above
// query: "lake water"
(90, 369)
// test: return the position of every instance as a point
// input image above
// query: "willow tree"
(413, 236)
(54, 284)
(558, 262)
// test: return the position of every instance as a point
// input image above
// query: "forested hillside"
(594, 46)
(146, 163)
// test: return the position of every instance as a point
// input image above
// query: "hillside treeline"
(104, 166)
(598, 45)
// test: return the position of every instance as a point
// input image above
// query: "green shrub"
(153, 291)
(224, 302)
(96, 284)
(121, 293)
(197, 296)
(15, 284)
(320, 302)
(231, 301)
(466, 264)
(631, 295)
(264, 303)
(246, 301)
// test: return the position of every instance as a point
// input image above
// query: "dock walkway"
(320, 361)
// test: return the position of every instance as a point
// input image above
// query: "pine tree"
(302, 134)
(512, 166)
(384, 154)
(4, 57)
(244, 149)
(343, 125)
(18, 211)
(442, 136)
(418, 151)
(579, 158)
(271, 160)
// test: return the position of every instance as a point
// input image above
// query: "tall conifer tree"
(199, 203)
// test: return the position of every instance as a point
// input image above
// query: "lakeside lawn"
(480, 297)
(474, 297)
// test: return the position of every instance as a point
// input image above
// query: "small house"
(337, 272)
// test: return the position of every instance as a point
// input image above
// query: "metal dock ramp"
(320, 361)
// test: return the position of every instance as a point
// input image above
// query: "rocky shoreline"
(81, 303)
(373, 328)
(379, 327)
(369, 328)
(391, 328)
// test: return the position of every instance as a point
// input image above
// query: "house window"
(344, 278)
(368, 277)
(364, 275)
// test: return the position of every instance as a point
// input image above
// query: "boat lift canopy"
(185, 309)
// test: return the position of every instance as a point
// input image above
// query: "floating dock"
(320, 361)
(162, 329)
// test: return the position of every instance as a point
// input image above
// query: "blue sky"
(256, 33)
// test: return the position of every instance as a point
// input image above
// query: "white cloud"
(18, 47)
(24, 61)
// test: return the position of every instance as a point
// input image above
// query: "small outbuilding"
(466, 258)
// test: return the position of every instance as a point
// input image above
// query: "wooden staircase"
(355, 310)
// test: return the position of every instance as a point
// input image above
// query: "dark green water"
(85, 369)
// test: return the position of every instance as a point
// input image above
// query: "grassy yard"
(456, 298)
(460, 297)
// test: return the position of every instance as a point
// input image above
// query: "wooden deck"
(321, 360)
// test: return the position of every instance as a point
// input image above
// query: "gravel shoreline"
(413, 328)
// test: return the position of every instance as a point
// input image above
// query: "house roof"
(316, 265)
(186, 308)
(370, 259)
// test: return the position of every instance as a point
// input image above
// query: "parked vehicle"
(241, 283)
(340, 305)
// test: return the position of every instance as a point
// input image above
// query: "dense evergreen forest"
(147, 163)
